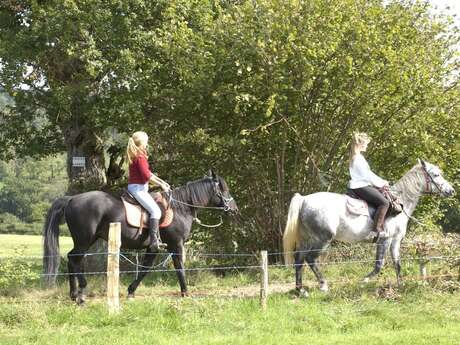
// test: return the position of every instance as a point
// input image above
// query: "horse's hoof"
(366, 280)
(81, 300)
(130, 296)
(323, 287)
(302, 293)
(184, 294)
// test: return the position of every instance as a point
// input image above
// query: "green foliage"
(16, 272)
(277, 109)
(266, 92)
(28, 186)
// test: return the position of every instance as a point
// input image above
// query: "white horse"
(316, 219)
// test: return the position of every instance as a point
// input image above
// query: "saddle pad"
(138, 217)
(357, 206)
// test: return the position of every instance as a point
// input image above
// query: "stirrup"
(376, 236)
(159, 246)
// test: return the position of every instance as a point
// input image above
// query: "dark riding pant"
(373, 196)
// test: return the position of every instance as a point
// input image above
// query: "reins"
(198, 221)
(203, 207)
(195, 218)
(414, 219)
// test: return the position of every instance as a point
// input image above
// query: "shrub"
(16, 272)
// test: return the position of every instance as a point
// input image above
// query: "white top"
(362, 175)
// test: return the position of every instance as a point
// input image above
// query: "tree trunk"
(85, 160)
(86, 172)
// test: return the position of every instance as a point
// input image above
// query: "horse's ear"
(422, 162)
(212, 174)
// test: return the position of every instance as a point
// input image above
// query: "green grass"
(28, 245)
(420, 315)
(225, 310)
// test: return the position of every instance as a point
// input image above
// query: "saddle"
(356, 205)
(138, 217)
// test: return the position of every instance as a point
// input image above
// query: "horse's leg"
(394, 250)
(312, 260)
(382, 248)
(76, 268)
(178, 261)
(147, 262)
(299, 261)
(72, 276)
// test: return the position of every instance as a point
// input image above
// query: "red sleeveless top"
(139, 171)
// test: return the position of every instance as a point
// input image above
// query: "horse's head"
(222, 197)
(435, 183)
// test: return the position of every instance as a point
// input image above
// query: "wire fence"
(445, 276)
(133, 259)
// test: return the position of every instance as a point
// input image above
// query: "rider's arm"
(143, 168)
(361, 172)
(159, 182)
(376, 180)
(373, 178)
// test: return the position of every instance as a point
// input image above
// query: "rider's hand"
(166, 187)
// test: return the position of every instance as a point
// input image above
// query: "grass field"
(28, 245)
(225, 310)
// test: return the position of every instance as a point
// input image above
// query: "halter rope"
(205, 207)
(197, 220)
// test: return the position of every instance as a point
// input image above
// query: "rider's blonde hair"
(136, 145)
(358, 139)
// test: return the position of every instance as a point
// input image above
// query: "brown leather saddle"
(138, 217)
(363, 206)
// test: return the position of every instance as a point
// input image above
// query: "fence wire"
(153, 269)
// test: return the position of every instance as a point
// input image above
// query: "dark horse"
(88, 216)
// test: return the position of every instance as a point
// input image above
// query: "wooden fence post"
(263, 278)
(113, 268)
(423, 272)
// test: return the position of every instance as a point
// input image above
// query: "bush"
(16, 272)
(10, 224)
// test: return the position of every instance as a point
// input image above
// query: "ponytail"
(358, 138)
(133, 148)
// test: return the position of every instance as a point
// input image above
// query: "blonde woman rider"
(139, 177)
(365, 183)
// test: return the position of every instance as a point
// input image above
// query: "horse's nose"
(450, 191)
(234, 208)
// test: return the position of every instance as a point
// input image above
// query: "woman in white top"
(365, 183)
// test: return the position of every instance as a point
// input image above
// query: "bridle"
(428, 180)
(217, 191)
(225, 201)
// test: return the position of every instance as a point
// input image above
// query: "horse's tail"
(291, 231)
(51, 258)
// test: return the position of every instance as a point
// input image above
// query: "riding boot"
(379, 219)
(154, 233)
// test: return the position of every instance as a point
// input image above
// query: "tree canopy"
(267, 92)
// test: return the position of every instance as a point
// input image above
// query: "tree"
(28, 186)
(288, 82)
(76, 68)
(267, 92)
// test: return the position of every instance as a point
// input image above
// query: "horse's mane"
(196, 192)
(409, 184)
